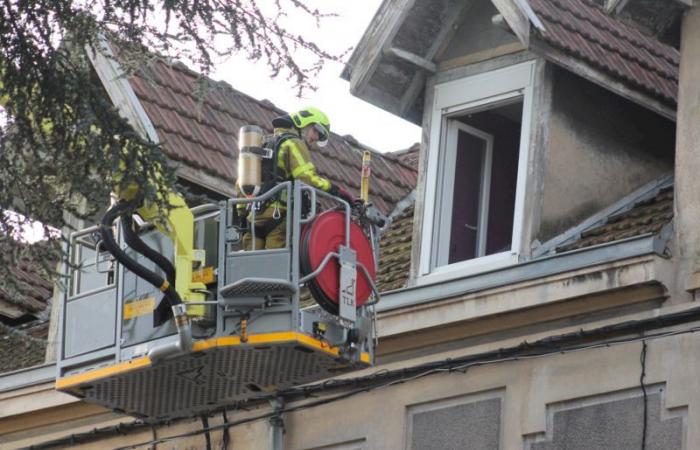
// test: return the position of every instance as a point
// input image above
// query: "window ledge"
(632, 263)
(468, 268)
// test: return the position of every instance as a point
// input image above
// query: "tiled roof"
(583, 30)
(32, 291)
(408, 156)
(395, 251)
(648, 216)
(202, 131)
(20, 349)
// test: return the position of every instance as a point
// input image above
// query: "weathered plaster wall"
(599, 148)
(687, 189)
(525, 393)
(526, 402)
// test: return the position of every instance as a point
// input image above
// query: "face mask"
(322, 140)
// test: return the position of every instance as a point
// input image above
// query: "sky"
(370, 125)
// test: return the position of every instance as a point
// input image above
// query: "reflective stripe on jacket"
(294, 159)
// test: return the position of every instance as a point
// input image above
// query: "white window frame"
(448, 179)
(477, 92)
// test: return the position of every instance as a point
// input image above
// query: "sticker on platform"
(204, 275)
(141, 307)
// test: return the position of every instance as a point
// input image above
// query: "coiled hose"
(110, 243)
(133, 240)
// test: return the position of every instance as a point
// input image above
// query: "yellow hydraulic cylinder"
(179, 227)
(366, 170)
(178, 224)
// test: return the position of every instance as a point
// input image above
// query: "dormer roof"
(407, 38)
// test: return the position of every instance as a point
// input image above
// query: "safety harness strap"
(261, 231)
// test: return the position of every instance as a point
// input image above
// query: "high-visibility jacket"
(294, 159)
(294, 163)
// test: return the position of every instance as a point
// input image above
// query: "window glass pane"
(481, 181)
(86, 277)
(465, 200)
(504, 123)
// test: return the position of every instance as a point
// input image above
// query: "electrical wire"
(449, 367)
(226, 439)
(549, 346)
(643, 361)
(207, 436)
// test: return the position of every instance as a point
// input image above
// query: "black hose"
(133, 240)
(120, 209)
(162, 313)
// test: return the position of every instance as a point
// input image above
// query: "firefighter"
(294, 135)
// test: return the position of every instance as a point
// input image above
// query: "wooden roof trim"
(122, 94)
(602, 79)
(116, 83)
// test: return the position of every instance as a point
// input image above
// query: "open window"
(476, 172)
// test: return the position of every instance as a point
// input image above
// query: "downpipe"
(184, 334)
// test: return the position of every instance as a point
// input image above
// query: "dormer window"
(476, 172)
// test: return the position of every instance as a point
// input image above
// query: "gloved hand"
(339, 191)
(240, 219)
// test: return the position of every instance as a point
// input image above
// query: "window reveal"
(480, 176)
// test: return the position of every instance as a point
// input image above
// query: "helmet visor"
(322, 134)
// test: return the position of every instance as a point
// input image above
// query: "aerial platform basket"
(251, 336)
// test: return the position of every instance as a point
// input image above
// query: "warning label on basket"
(204, 275)
(139, 307)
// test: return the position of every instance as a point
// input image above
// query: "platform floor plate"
(217, 375)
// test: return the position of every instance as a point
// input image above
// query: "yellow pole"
(366, 170)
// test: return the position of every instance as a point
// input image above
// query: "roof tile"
(33, 288)
(202, 132)
(583, 30)
(395, 252)
(20, 349)
(648, 216)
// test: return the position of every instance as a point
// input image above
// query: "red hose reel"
(324, 235)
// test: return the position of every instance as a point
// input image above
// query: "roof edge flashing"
(647, 244)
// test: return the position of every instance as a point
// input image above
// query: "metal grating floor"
(204, 381)
(257, 286)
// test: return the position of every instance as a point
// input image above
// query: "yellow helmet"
(316, 117)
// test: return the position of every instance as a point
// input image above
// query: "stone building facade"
(545, 298)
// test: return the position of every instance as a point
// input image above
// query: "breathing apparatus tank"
(250, 158)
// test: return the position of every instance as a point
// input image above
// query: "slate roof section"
(32, 292)
(20, 348)
(647, 216)
(583, 30)
(202, 131)
(395, 252)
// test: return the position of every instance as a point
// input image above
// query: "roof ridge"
(638, 38)
(398, 160)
